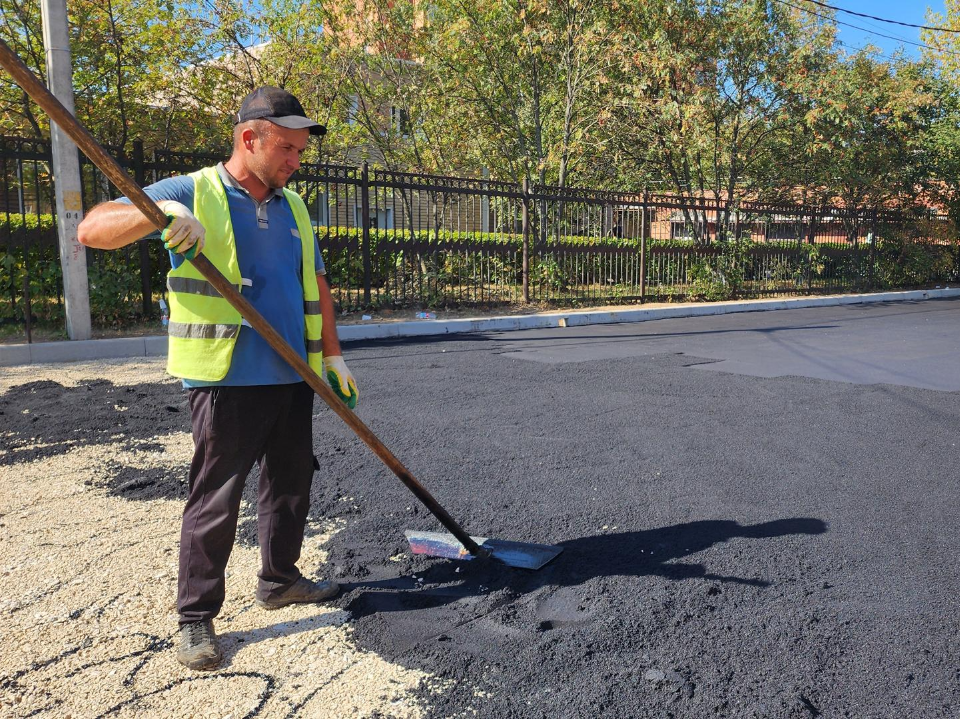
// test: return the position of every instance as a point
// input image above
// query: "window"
(353, 109)
(784, 231)
(379, 218)
(680, 230)
(322, 209)
(400, 120)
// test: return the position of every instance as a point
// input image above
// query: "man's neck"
(250, 182)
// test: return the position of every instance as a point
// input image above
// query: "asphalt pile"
(734, 545)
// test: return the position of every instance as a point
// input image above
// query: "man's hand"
(340, 379)
(184, 235)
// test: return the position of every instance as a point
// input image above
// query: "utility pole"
(66, 172)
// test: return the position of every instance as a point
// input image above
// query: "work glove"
(184, 235)
(340, 379)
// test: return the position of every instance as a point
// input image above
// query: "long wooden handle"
(91, 148)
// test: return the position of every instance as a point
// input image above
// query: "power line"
(886, 20)
(866, 30)
(873, 26)
(860, 48)
(855, 27)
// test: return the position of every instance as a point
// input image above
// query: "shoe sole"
(211, 664)
(277, 604)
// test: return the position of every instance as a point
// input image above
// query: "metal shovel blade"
(528, 556)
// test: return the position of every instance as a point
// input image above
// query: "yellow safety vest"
(203, 326)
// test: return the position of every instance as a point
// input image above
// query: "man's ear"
(247, 137)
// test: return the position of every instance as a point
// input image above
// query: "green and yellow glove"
(184, 235)
(340, 379)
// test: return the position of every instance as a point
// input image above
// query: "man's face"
(276, 154)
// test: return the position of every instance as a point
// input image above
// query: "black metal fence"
(404, 240)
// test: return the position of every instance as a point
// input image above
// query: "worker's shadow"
(641, 553)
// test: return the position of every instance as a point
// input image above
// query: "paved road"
(913, 344)
(759, 514)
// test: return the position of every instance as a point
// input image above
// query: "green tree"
(128, 57)
(702, 90)
(247, 44)
(390, 110)
(522, 76)
(866, 129)
(943, 138)
(943, 45)
(941, 147)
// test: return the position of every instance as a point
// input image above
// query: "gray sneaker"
(199, 649)
(302, 591)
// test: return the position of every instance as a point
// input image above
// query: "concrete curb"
(72, 351)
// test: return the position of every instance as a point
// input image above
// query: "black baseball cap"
(279, 107)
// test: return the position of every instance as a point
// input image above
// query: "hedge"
(716, 271)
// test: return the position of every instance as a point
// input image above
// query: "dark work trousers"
(234, 427)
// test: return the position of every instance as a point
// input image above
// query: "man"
(247, 404)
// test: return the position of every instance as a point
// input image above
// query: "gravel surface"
(93, 460)
(735, 544)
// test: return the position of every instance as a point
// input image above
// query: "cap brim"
(296, 122)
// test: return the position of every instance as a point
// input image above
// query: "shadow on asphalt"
(643, 553)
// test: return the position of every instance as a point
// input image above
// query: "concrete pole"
(66, 172)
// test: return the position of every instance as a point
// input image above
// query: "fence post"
(643, 245)
(526, 240)
(27, 320)
(146, 288)
(365, 230)
(26, 260)
(811, 240)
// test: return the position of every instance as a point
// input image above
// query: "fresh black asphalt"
(759, 514)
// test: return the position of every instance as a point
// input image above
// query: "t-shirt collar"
(230, 180)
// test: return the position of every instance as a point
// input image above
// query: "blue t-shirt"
(270, 257)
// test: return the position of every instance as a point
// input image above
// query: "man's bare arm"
(329, 338)
(112, 225)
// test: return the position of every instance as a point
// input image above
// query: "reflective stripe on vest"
(198, 287)
(196, 330)
(203, 326)
(192, 287)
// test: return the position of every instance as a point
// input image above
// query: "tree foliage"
(703, 91)
(127, 56)
(713, 99)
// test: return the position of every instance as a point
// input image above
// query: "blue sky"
(909, 11)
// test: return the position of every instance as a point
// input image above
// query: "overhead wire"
(860, 48)
(886, 20)
(866, 30)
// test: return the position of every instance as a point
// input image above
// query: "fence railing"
(406, 240)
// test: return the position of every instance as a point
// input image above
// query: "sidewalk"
(71, 351)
